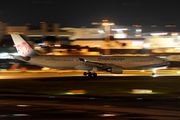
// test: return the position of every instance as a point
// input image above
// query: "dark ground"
(105, 98)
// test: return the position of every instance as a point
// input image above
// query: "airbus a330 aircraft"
(113, 64)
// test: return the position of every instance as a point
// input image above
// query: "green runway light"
(70, 93)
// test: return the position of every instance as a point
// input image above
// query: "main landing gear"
(93, 73)
(90, 74)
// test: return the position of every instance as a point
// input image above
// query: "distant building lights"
(170, 25)
(137, 25)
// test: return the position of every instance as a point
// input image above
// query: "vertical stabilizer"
(22, 46)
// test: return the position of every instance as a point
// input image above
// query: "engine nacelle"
(27, 58)
(117, 70)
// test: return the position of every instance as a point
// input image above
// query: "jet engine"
(27, 58)
(118, 70)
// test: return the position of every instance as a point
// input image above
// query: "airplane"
(113, 64)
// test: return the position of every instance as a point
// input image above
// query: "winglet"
(22, 46)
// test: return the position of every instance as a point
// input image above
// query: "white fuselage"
(73, 62)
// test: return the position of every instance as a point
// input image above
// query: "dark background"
(77, 13)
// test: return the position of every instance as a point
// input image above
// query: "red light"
(42, 22)
(0, 22)
(27, 24)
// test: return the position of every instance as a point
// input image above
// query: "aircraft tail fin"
(22, 46)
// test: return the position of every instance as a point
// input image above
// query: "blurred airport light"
(107, 24)
(147, 45)
(101, 31)
(57, 45)
(137, 43)
(174, 34)
(138, 30)
(157, 34)
(137, 25)
(170, 25)
(96, 23)
(141, 91)
(122, 35)
(97, 45)
(37, 48)
(42, 22)
(138, 35)
(41, 44)
(153, 25)
(119, 30)
(28, 24)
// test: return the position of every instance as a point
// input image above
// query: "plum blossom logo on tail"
(23, 48)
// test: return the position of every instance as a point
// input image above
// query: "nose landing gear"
(154, 71)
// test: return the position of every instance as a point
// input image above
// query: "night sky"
(77, 13)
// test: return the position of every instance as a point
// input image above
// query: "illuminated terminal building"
(122, 39)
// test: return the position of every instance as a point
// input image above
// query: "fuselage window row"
(142, 60)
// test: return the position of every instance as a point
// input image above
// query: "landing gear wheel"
(94, 74)
(90, 74)
(153, 73)
(85, 73)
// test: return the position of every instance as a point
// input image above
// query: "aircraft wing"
(100, 65)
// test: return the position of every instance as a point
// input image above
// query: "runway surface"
(47, 74)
